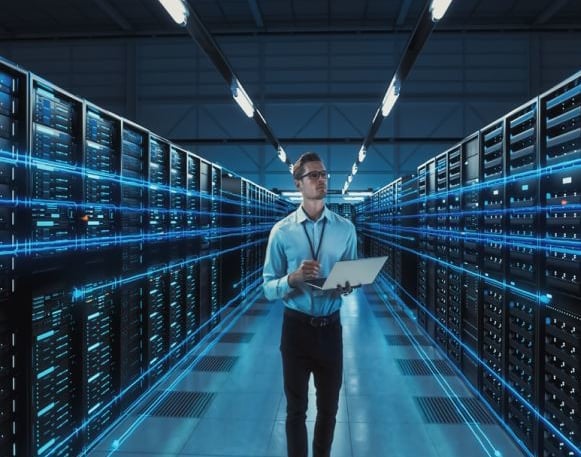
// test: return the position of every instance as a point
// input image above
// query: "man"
(305, 245)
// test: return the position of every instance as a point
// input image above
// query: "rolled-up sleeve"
(274, 275)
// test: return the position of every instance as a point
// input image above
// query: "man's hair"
(299, 166)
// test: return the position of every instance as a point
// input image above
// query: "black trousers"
(309, 347)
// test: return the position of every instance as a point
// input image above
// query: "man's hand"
(309, 269)
(346, 289)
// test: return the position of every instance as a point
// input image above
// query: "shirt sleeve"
(275, 278)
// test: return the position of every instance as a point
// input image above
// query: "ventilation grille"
(417, 367)
(219, 363)
(236, 337)
(442, 410)
(257, 312)
(180, 404)
(404, 340)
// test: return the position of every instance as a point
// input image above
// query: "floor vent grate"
(180, 404)
(442, 410)
(219, 363)
(404, 340)
(418, 367)
(236, 337)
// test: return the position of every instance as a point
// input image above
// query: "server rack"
(494, 265)
(522, 202)
(156, 306)
(560, 362)
(471, 223)
(423, 261)
(56, 405)
(14, 142)
(455, 254)
(130, 356)
(232, 226)
(441, 247)
(406, 258)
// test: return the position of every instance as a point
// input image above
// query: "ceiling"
(41, 19)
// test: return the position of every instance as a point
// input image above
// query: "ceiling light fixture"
(281, 154)
(390, 97)
(177, 10)
(242, 98)
(432, 12)
(439, 8)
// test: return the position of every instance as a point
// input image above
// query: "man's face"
(313, 183)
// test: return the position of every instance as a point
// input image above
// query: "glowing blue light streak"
(570, 165)
(183, 365)
(53, 166)
(506, 385)
(536, 243)
(469, 420)
(487, 279)
(117, 282)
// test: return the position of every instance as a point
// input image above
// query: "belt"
(313, 321)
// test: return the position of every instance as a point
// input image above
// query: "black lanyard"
(314, 253)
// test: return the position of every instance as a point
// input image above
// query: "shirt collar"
(302, 215)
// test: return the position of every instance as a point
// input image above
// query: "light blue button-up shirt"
(288, 246)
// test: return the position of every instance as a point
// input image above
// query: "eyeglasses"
(314, 175)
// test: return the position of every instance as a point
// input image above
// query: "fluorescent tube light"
(390, 97)
(439, 8)
(242, 99)
(361, 194)
(362, 154)
(177, 10)
(354, 169)
(349, 179)
(281, 154)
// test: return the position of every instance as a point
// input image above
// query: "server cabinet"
(560, 132)
(232, 230)
(129, 327)
(455, 276)
(423, 261)
(441, 247)
(522, 203)
(494, 265)
(406, 257)
(471, 224)
(14, 142)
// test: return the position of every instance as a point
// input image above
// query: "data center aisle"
(390, 404)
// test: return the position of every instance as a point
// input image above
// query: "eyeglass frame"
(311, 175)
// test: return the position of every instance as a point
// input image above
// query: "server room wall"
(319, 88)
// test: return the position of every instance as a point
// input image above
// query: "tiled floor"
(378, 414)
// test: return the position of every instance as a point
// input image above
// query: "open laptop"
(355, 272)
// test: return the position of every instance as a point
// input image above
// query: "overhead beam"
(319, 141)
(205, 40)
(115, 15)
(403, 12)
(256, 14)
(548, 13)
